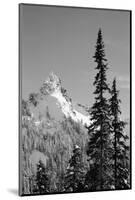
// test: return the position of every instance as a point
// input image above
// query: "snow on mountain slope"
(52, 86)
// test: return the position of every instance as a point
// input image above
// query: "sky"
(63, 40)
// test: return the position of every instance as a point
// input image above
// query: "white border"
(9, 98)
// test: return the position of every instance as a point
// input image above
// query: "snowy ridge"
(52, 86)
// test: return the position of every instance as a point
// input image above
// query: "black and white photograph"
(75, 99)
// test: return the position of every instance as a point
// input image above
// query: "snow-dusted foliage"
(53, 142)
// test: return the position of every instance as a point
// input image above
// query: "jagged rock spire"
(53, 87)
(51, 84)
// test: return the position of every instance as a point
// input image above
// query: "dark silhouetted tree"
(48, 116)
(34, 99)
(74, 177)
(25, 109)
(121, 169)
(99, 146)
(42, 182)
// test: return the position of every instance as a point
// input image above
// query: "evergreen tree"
(34, 99)
(74, 178)
(25, 109)
(121, 171)
(99, 145)
(48, 116)
(42, 182)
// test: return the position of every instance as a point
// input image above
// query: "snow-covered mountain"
(53, 87)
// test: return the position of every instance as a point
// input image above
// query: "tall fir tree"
(74, 177)
(99, 146)
(42, 183)
(121, 169)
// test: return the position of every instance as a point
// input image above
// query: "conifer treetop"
(100, 52)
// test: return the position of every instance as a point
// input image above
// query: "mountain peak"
(51, 84)
(53, 87)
